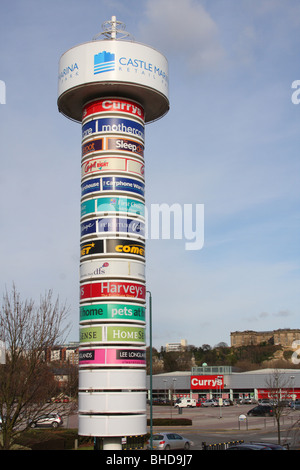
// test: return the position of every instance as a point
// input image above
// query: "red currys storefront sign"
(207, 382)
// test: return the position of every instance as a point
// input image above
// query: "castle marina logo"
(104, 62)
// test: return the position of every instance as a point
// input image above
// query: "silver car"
(169, 440)
(47, 420)
(210, 402)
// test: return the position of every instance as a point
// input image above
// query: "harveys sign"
(134, 290)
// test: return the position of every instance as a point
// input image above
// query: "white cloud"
(185, 29)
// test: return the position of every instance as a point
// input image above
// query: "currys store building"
(221, 382)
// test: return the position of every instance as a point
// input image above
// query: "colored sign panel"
(118, 183)
(88, 129)
(91, 186)
(124, 145)
(130, 334)
(100, 165)
(113, 125)
(207, 382)
(113, 105)
(112, 311)
(113, 183)
(92, 334)
(112, 268)
(112, 357)
(113, 225)
(112, 334)
(104, 289)
(115, 144)
(92, 248)
(125, 247)
(113, 204)
(95, 145)
(113, 246)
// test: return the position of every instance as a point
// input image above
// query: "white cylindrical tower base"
(112, 425)
(112, 443)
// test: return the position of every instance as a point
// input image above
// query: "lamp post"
(150, 372)
(293, 396)
(165, 382)
(220, 398)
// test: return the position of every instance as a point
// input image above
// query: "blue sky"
(230, 142)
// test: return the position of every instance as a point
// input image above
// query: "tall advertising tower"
(113, 86)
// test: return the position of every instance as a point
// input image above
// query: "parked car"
(210, 402)
(169, 440)
(160, 401)
(295, 405)
(284, 403)
(246, 401)
(261, 410)
(248, 447)
(270, 445)
(227, 402)
(47, 420)
(60, 399)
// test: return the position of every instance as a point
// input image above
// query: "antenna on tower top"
(113, 29)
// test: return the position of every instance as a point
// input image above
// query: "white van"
(185, 403)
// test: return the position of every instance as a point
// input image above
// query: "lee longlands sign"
(112, 356)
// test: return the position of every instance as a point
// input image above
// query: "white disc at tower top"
(113, 67)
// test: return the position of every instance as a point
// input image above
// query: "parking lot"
(216, 424)
(224, 417)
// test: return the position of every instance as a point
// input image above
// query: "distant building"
(67, 353)
(170, 347)
(282, 337)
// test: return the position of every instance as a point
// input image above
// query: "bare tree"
(278, 385)
(26, 382)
